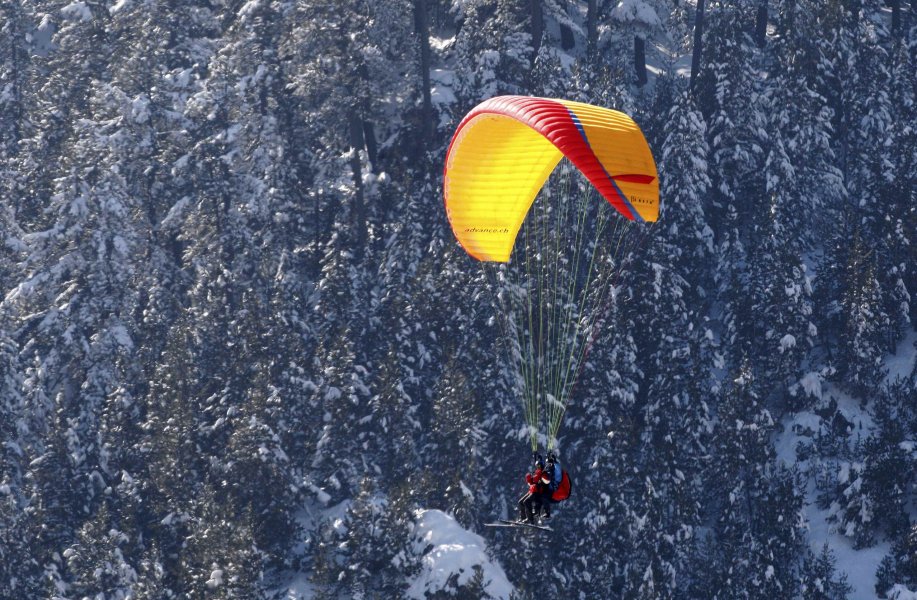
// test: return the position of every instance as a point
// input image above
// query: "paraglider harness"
(560, 485)
(548, 484)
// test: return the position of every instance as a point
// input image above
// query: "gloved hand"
(533, 488)
(528, 479)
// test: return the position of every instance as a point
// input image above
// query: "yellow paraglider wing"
(504, 150)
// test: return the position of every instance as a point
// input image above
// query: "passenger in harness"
(531, 503)
(554, 476)
(548, 484)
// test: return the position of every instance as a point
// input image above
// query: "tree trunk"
(698, 42)
(592, 26)
(854, 7)
(537, 26)
(567, 39)
(761, 25)
(896, 18)
(640, 60)
(367, 133)
(910, 21)
(789, 23)
(356, 168)
(372, 148)
(422, 26)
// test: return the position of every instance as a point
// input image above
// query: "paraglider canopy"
(556, 293)
(504, 150)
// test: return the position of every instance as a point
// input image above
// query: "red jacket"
(538, 482)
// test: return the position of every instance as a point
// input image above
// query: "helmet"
(552, 458)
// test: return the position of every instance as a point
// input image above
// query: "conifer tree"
(602, 423)
(342, 395)
(15, 73)
(100, 558)
(782, 331)
(493, 51)
(685, 181)
(899, 567)
(375, 551)
(759, 535)
(672, 422)
(15, 568)
(172, 472)
(879, 487)
(642, 19)
(822, 581)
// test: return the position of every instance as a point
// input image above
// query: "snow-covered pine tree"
(237, 179)
(781, 331)
(152, 78)
(799, 177)
(640, 19)
(672, 420)
(348, 71)
(821, 580)
(83, 242)
(759, 537)
(874, 498)
(732, 96)
(686, 185)
(493, 51)
(600, 448)
(342, 396)
(865, 323)
(411, 345)
(802, 113)
(217, 558)
(33, 568)
(899, 567)
(15, 543)
(14, 78)
(172, 471)
(99, 559)
(856, 84)
(255, 478)
(209, 535)
(452, 447)
(655, 558)
(374, 545)
(897, 191)
(250, 350)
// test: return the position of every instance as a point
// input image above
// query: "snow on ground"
(901, 363)
(634, 11)
(449, 550)
(446, 549)
(77, 11)
(899, 592)
(298, 585)
(859, 565)
(298, 588)
(680, 64)
(442, 91)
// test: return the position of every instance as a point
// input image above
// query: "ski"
(504, 523)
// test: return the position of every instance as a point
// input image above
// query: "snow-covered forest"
(242, 355)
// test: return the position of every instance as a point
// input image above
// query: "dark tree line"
(239, 346)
